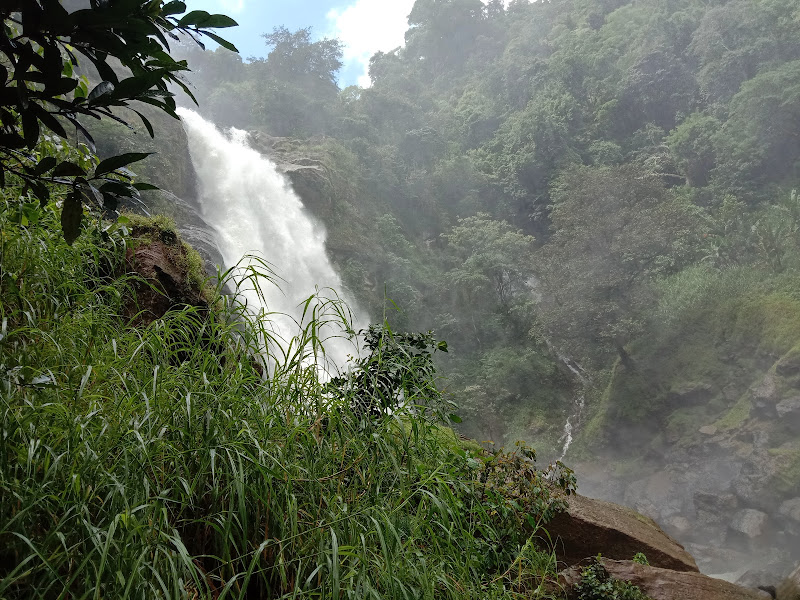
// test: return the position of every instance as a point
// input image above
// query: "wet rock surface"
(750, 523)
(307, 172)
(736, 481)
(666, 584)
(790, 509)
(590, 527)
(191, 226)
(789, 589)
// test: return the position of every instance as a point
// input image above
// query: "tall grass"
(165, 462)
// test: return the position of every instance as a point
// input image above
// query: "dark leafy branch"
(42, 47)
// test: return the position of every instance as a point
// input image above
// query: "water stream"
(256, 215)
(580, 403)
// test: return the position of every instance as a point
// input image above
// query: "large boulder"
(790, 509)
(591, 527)
(161, 261)
(656, 496)
(790, 588)
(665, 584)
(789, 411)
(712, 508)
(764, 397)
(750, 523)
(752, 485)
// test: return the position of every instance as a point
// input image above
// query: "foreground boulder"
(664, 584)
(591, 527)
(168, 274)
(790, 588)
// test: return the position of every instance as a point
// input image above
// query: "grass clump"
(194, 458)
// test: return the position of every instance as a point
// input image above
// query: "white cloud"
(369, 26)
(232, 6)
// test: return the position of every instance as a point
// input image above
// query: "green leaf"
(200, 18)
(222, 42)
(218, 22)
(68, 169)
(146, 187)
(146, 123)
(30, 128)
(101, 89)
(44, 165)
(82, 90)
(117, 162)
(117, 188)
(454, 418)
(48, 120)
(175, 7)
(60, 86)
(193, 18)
(42, 192)
(71, 216)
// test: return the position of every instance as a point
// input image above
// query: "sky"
(363, 26)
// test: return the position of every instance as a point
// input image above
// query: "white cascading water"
(255, 212)
(580, 403)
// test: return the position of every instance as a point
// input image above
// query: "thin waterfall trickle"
(580, 403)
(255, 212)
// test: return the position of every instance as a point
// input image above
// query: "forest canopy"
(539, 170)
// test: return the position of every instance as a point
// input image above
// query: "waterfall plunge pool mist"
(256, 215)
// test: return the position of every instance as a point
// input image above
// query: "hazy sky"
(364, 26)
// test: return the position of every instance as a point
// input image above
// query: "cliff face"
(703, 434)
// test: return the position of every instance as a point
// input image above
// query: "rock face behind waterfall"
(307, 171)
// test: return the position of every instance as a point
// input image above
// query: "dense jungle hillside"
(573, 224)
(553, 178)
(593, 202)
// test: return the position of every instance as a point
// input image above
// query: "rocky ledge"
(665, 584)
(591, 528)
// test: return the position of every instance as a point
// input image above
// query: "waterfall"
(255, 213)
(580, 403)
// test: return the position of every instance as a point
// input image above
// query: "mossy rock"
(171, 272)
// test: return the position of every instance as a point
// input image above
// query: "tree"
(692, 146)
(294, 88)
(294, 55)
(759, 142)
(46, 52)
(442, 33)
(399, 369)
(492, 261)
(735, 40)
(614, 230)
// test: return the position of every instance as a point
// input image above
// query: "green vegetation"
(597, 584)
(564, 176)
(611, 182)
(164, 462)
(124, 46)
